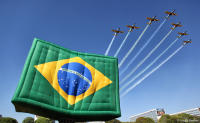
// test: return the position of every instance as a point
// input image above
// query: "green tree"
(180, 118)
(165, 119)
(28, 120)
(127, 122)
(8, 120)
(43, 120)
(144, 120)
(113, 121)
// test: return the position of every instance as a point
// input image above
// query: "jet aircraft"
(176, 25)
(132, 27)
(152, 19)
(170, 14)
(182, 34)
(186, 42)
(117, 31)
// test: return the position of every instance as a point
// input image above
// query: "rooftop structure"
(194, 111)
(154, 114)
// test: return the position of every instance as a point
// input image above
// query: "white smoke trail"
(106, 53)
(132, 48)
(147, 67)
(142, 48)
(122, 44)
(152, 71)
(146, 57)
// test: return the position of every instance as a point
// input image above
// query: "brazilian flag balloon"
(64, 84)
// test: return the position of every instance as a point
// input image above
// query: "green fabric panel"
(35, 95)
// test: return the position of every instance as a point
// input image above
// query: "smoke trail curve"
(146, 57)
(122, 44)
(132, 48)
(108, 49)
(147, 67)
(152, 71)
(142, 48)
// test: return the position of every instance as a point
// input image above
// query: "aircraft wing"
(175, 14)
(167, 12)
(149, 18)
(114, 30)
(187, 41)
(182, 33)
(174, 24)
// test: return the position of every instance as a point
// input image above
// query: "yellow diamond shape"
(50, 69)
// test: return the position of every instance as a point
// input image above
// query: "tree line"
(26, 120)
(180, 118)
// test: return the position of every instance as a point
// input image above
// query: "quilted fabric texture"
(64, 84)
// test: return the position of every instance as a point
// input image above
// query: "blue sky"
(85, 26)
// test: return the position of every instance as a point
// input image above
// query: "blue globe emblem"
(74, 78)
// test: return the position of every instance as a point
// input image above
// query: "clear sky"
(85, 26)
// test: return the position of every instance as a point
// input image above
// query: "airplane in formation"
(176, 25)
(188, 41)
(117, 31)
(170, 14)
(182, 34)
(152, 19)
(132, 27)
